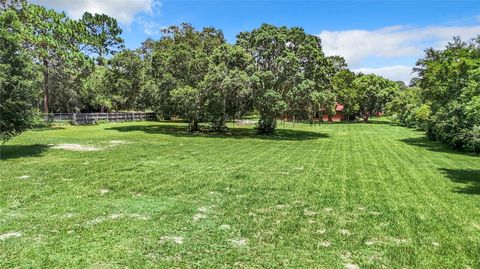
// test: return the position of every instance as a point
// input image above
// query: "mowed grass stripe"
(398, 231)
(426, 196)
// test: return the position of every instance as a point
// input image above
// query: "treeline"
(81, 66)
(445, 98)
(51, 63)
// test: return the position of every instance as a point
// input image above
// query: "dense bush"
(407, 109)
(446, 99)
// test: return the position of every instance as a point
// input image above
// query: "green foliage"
(226, 88)
(97, 95)
(54, 41)
(450, 84)
(17, 79)
(102, 35)
(59, 45)
(188, 105)
(406, 108)
(373, 93)
(179, 60)
(342, 83)
(422, 115)
(289, 68)
(125, 80)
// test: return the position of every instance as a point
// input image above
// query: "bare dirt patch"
(199, 216)
(116, 216)
(400, 241)
(281, 206)
(238, 242)
(246, 122)
(388, 241)
(325, 244)
(104, 191)
(118, 142)
(174, 239)
(9, 235)
(347, 259)
(308, 212)
(224, 227)
(351, 266)
(75, 147)
(114, 143)
(202, 209)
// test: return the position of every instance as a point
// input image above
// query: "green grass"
(322, 196)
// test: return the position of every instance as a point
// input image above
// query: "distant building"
(339, 115)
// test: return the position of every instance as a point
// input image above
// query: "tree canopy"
(291, 74)
(17, 79)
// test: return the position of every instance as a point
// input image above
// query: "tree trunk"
(45, 90)
(193, 126)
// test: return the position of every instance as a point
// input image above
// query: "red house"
(339, 115)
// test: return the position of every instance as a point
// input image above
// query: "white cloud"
(123, 10)
(391, 42)
(150, 27)
(396, 72)
(396, 43)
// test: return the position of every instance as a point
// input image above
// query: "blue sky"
(382, 37)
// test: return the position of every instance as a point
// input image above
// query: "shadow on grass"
(316, 122)
(21, 151)
(469, 177)
(370, 122)
(431, 145)
(237, 133)
(52, 128)
(386, 122)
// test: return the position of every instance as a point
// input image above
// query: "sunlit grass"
(153, 195)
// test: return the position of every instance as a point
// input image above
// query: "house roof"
(339, 107)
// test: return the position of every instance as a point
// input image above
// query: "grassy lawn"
(151, 195)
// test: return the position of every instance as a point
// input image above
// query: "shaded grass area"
(237, 133)
(154, 195)
(21, 151)
(470, 179)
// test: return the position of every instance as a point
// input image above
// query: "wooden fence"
(92, 118)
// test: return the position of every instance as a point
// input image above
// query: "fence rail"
(92, 118)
